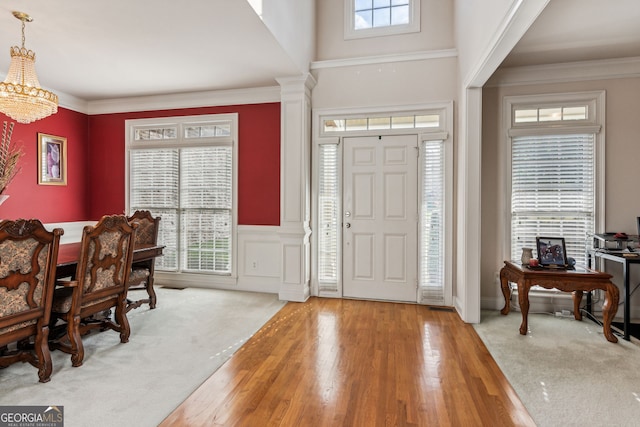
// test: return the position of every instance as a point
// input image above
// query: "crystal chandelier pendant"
(21, 96)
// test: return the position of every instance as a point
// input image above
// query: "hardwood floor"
(334, 362)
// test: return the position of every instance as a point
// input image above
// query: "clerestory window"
(372, 18)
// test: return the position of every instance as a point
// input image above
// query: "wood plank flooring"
(337, 362)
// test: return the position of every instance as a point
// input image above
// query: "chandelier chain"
(23, 33)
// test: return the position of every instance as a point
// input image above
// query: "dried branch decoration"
(9, 156)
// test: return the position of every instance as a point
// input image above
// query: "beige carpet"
(172, 350)
(564, 371)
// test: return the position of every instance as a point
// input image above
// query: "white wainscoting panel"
(72, 230)
(259, 258)
(259, 265)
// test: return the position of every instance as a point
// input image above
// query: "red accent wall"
(258, 160)
(50, 203)
(96, 160)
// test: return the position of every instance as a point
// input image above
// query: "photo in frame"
(552, 252)
(52, 160)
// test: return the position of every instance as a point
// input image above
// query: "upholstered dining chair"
(141, 277)
(28, 256)
(101, 284)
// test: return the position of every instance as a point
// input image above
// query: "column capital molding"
(297, 85)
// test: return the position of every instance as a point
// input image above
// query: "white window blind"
(553, 191)
(153, 186)
(432, 222)
(206, 191)
(328, 216)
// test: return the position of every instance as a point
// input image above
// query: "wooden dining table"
(69, 255)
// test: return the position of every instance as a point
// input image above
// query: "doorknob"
(348, 225)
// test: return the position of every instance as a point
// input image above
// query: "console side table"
(576, 281)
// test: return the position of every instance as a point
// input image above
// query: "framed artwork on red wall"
(52, 160)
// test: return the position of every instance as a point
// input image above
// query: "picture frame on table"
(552, 252)
(52, 159)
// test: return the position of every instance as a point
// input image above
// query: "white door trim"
(445, 132)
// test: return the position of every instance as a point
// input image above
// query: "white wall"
(476, 24)
(385, 84)
(292, 22)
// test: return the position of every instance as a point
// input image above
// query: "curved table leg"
(609, 310)
(577, 299)
(523, 299)
(504, 284)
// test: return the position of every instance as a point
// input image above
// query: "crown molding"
(619, 68)
(232, 96)
(258, 95)
(384, 59)
(71, 102)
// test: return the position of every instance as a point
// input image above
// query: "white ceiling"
(108, 49)
(96, 50)
(580, 30)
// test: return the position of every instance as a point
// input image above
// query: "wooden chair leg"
(152, 293)
(44, 364)
(122, 321)
(75, 340)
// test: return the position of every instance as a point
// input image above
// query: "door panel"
(380, 218)
(394, 253)
(394, 192)
(363, 245)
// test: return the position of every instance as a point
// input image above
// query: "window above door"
(374, 18)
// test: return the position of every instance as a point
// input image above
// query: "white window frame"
(594, 124)
(442, 133)
(191, 278)
(351, 33)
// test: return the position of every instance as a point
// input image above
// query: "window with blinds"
(154, 186)
(184, 173)
(328, 216)
(432, 222)
(553, 191)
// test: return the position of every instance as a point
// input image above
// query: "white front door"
(380, 218)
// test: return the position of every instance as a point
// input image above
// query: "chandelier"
(21, 96)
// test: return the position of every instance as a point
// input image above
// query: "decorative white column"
(295, 186)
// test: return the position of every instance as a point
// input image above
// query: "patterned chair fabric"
(28, 257)
(101, 284)
(141, 276)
